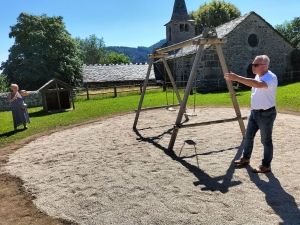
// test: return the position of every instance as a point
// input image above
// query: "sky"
(129, 23)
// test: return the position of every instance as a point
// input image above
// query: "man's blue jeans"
(263, 121)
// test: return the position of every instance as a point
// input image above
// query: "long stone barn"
(248, 36)
(99, 76)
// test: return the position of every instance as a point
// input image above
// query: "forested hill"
(136, 55)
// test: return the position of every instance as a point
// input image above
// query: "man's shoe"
(242, 161)
(262, 169)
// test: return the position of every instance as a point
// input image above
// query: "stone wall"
(209, 73)
(34, 99)
(179, 31)
(238, 55)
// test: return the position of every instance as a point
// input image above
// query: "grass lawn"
(288, 98)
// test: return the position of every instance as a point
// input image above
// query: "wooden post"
(115, 91)
(45, 103)
(141, 88)
(58, 97)
(186, 96)
(87, 92)
(230, 88)
(143, 93)
(72, 99)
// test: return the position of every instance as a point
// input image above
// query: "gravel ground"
(106, 173)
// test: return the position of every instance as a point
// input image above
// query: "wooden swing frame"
(162, 56)
(206, 39)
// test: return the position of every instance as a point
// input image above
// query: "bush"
(295, 59)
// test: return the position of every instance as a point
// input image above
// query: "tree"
(115, 58)
(295, 59)
(214, 14)
(43, 50)
(291, 31)
(92, 49)
(4, 85)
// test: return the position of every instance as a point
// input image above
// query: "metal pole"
(231, 90)
(143, 93)
(173, 83)
(186, 96)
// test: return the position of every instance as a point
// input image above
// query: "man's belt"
(264, 110)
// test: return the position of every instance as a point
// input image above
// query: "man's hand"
(246, 81)
(231, 76)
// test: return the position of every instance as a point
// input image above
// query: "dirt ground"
(106, 173)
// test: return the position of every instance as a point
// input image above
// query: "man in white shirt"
(263, 113)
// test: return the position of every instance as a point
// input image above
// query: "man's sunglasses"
(256, 64)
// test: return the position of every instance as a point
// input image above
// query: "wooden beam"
(143, 93)
(157, 107)
(210, 122)
(154, 56)
(211, 41)
(231, 90)
(194, 41)
(187, 92)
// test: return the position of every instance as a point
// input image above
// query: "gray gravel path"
(105, 173)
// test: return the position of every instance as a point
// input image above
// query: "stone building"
(181, 27)
(111, 75)
(248, 36)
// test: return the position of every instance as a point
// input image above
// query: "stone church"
(248, 36)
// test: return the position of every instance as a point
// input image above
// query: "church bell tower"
(181, 27)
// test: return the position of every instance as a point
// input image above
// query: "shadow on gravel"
(210, 183)
(283, 204)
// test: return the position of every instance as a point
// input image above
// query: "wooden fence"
(213, 85)
(112, 91)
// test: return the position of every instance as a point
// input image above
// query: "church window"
(253, 40)
(181, 27)
(170, 34)
(186, 28)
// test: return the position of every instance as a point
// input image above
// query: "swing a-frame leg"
(217, 42)
(139, 109)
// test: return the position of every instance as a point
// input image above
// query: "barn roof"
(110, 73)
(222, 31)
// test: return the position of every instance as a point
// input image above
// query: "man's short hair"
(264, 58)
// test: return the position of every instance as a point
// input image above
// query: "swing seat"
(190, 114)
(170, 109)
